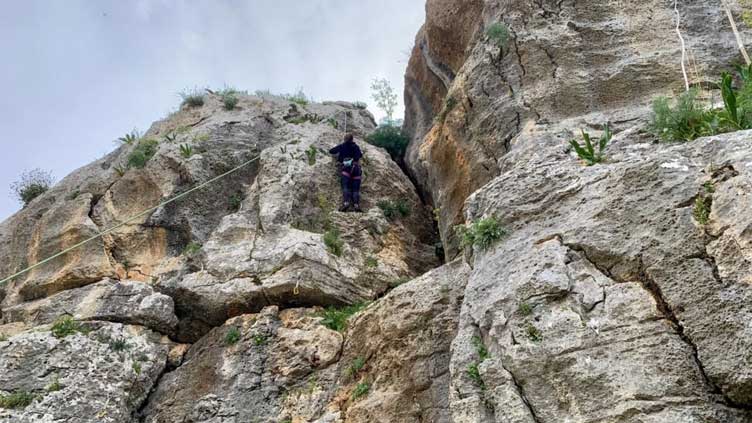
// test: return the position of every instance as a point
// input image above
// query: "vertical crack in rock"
(522, 394)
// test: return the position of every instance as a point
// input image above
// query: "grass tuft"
(193, 98)
(482, 233)
(333, 243)
(16, 400)
(66, 326)
(361, 390)
(336, 318)
(232, 336)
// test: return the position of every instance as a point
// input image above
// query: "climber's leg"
(346, 193)
(355, 190)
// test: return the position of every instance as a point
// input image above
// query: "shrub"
(480, 348)
(236, 201)
(482, 233)
(525, 309)
(186, 150)
(392, 139)
(333, 243)
(193, 98)
(298, 97)
(229, 101)
(259, 339)
(685, 121)
(16, 400)
(66, 326)
(498, 33)
(394, 209)
(336, 318)
(136, 367)
(355, 367)
(144, 151)
(360, 390)
(32, 184)
(371, 262)
(588, 153)
(311, 153)
(701, 210)
(474, 373)
(119, 345)
(232, 336)
(192, 248)
(533, 333)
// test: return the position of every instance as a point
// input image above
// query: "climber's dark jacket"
(347, 150)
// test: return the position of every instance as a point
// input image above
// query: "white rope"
(683, 46)
(739, 41)
(130, 219)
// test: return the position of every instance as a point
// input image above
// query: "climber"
(349, 155)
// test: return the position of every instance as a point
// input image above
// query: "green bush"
(144, 151)
(480, 348)
(32, 184)
(525, 309)
(193, 98)
(701, 210)
(192, 248)
(356, 366)
(136, 367)
(588, 153)
(119, 345)
(298, 97)
(16, 400)
(130, 138)
(311, 153)
(498, 33)
(259, 339)
(229, 97)
(371, 262)
(533, 333)
(394, 209)
(236, 201)
(333, 243)
(360, 390)
(685, 121)
(482, 233)
(66, 326)
(232, 336)
(392, 139)
(474, 373)
(336, 318)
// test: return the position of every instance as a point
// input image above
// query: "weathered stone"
(115, 301)
(100, 376)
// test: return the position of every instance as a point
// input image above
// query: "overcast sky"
(78, 74)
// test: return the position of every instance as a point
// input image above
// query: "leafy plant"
(311, 153)
(193, 98)
(482, 233)
(685, 121)
(299, 97)
(474, 373)
(32, 184)
(588, 153)
(525, 309)
(144, 151)
(192, 248)
(392, 139)
(130, 138)
(360, 390)
(336, 318)
(259, 339)
(498, 33)
(16, 400)
(371, 262)
(480, 348)
(229, 98)
(333, 243)
(171, 136)
(66, 326)
(232, 336)
(119, 345)
(186, 150)
(709, 187)
(533, 333)
(136, 367)
(356, 366)
(394, 209)
(734, 116)
(702, 208)
(120, 169)
(236, 201)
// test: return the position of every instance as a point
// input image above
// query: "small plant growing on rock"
(498, 33)
(66, 326)
(701, 210)
(525, 309)
(482, 233)
(229, 100)
(144, 151)
(186, 150)
(32, 184)
(171, 136)
(119, 345)
(259, 339)
(355, 367)
(480, 348)
(236, 201)
(336, 318)
(474, 373)
(192, 98)
(333, 243)
(130, 138)
(394, 209)
(311, 154)
(16, 400)
(55, 385)
(685, 121)
(371, 262)
(533, 333)
(361, 390)
(3, 337)
(588, 153)
(136, 367)
(232, 336)
(192, 249)
(299, 97)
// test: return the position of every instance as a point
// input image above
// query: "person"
(349, 155)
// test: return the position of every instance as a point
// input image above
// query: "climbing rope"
(128, 220)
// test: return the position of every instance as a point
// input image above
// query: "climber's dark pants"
(350, 189)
